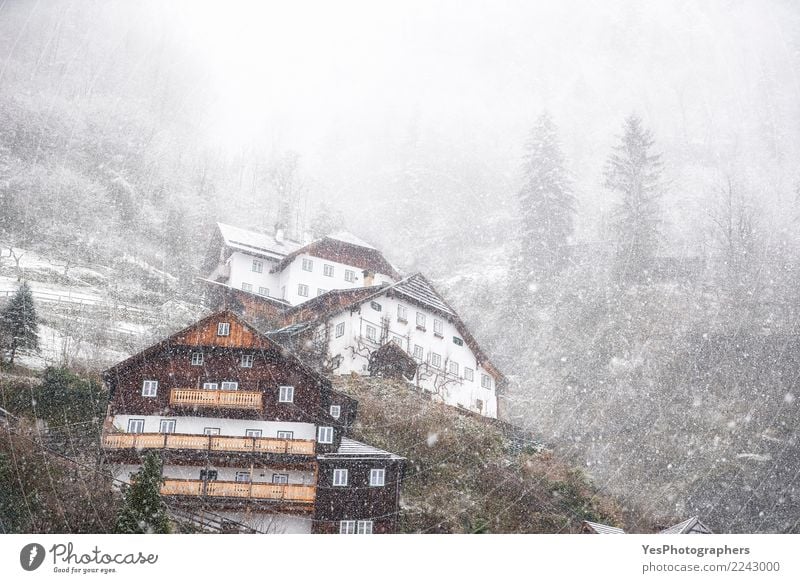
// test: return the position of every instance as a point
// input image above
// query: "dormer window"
(224, 329)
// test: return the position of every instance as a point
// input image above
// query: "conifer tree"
(634, 172)
(143, 511)
(547, 206)
(18, 323)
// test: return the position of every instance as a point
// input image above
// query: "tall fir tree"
(634, 172)
(547, 206)
(143, 511)
(19, 323)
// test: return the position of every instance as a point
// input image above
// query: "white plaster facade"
(227, 427)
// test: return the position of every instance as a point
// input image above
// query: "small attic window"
(376, 306)
(457, 341)
(224, 329)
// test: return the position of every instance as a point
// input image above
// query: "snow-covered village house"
(248, 432)
(349, 323)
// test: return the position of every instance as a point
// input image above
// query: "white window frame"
(211, 431)
(340, 329)
(197, 359)
(325, 434)
(286, 394)
(420, 320)
(247, 360)
(308, 264)
(327, 270)
(258, 266)
(242, 477)
(419, 353)
(210, 386)
(302, 290)
(436, 360)
(229, 386)
(347, 527)
(224, 329)
(285, 435)
(486, 381)
(377, 477)
(349, 275)
(438, 328)
(458, 341)
(452, 367)
(336, 411)
(149, 388)
(321, 291)
(263, 291)
(340, 477)
(372, 333)
(402, 313)
(364, 527)
(248, 287)
(134, 423)
(168, 423)
(469, 374)
(280, 478)
(253, 433)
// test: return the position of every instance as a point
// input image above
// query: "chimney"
(279, 233)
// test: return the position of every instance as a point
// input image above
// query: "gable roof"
(192, 335)
(352, 448)
(689, 526)
(419, 289)
(350, 238)
(598, 528)
(256, 243)
(343, 249)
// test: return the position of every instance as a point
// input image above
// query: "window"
(285, 434)
(308, 265)
(479, 405)
(263, 291)
(402, 313)
(458, 341)
(364, 527)
(469, 374)
(336, 411)
(325, 435)
(149, 388)
(340, 329)
(397, 340)
(247, 361)
(210, 386)
(302, 290)
(230, 386)
(486, 381)
(280, 478)
(377, 477)
(208, 475)
(347, 527)
(211, 431)
(372, 332)
(242, 476)
(197, 358)
(420, 320)
(375, 306)
(135, 425)
(436, 360)
(166, 426)
(252, 433)
(339, 477)
(248, 287)
(258, 266)
(349, 275)
(327, 270)
(453, 368)
(224, 329)
(418, 354)
(438, 327)
(321, 291)
(286, 394)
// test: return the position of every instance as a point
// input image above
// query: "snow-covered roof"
(352, 448)
(259, 243)
(418, 288)
(689, 526)
(602, 528)
(350, 238)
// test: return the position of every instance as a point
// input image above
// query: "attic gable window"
(308, 265)
(149, 388)
(349, 275)
(375, 306)
(224, 329)
(258, 266)
(327, 270)
(336, 411)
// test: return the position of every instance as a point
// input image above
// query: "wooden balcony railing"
(216, 398)
(208, 442)
(250, 490)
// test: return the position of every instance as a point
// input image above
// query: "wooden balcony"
(216, 398)
(180, 441)
(247, 490)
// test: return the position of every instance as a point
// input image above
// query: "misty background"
(127, 129)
